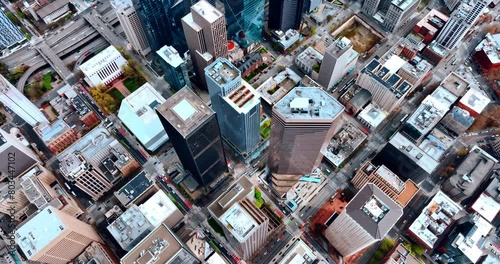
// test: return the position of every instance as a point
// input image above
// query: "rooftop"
(161, 245)
(299, 253)
(185, 111)
(244, 98)
(51, 8)
(455, 84)
(95, 253)
(158, 208)
(39, 231)
(50, 132)
(99, 60)
(130, 227)
(386, 74)
(134, 188)
(403, 4)
(239, 222)
(422, 159)
(475, 100)
(240, 189)
(222, 71)
(486, 206)
(137, 112)
(170, 55)
(373, 115)
(402, 255)
(434, 219)
(207, 11)
(470, 243)
(490, 45)
(308, 103)
(309, 56)
(343, 144)
(121, 4)
(373, 210)
(436, 143)
(432, 20)
(274, 88)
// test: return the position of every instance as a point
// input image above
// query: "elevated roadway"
(55, 62)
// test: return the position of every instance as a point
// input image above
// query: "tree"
(128, 71)
(417, 250)
(71, 65)
(104, 100)
(462, 152)
(258, 194)
(329, 18)
(13, 18)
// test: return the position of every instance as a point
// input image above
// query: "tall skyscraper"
(54, 237)
(366, 219)
(129, 19)
(11, 149)
(389, 13)
(246, 16)
(236, 103)
(19, 104)
(206, 36)
(194, 132)
(339, 59)
(10, 35)
(302, 121)
(174, 66)
(285, 14)
(461, 20)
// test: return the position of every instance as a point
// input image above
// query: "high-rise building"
(11, 149)
(461, 20)
(310, 5)
(97, 253)
(285, 14)
(246, 226)
(193, 128)
(302, 121)
(174, 66)
(55, 237)
(129, 19)
(236, 103)
(366, 219)
(339, 59)
(206, 36)
(246, 16)
(451, 4)
(10, 35)
(19, 104)
(390, 13)
(130, 228)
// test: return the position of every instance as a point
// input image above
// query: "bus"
(404, 118)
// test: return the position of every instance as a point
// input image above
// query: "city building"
(236, 104)
(366, 219)
(160, 246)
(474, 101)
(137, 113)
(456, 122)
(434, 221)
(285, 39)
(97, 253)
(295, 251)
(487, 206)
(130, 228)
(302, 122)
(96, 162)
(138, 189)
(195, 135)
(372, 116)
(86, 115)
(285, 14)
(11, 147)
(245, 16)
(434, 52)
(390, 13)
(19, 104)
(357, 102)
(246, 227)
(174, 66)
(160, 210)
(344, 143)
(461, 21)
(129, 20)
(400, 254)
(487, 52)
(388, 182)
(274, 88)
(455, 84)
(340, 58)
(206, 36)
(436, 143)
(388, 89)
(56, 136)
(309, 60)
(428, 114)
(10, 35)
(310, 5)
(451, 4)
(247, 64)
(469, 175)
(52, 236)
(429, 26)
(104, 67)
(465, 242)
(53, 11)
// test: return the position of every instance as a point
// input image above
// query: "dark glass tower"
(285, 14)
(246, 16)
(194, 132)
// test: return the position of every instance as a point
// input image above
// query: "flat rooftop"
(134, 188)
(162, 246)
(158, 208)
(344, 143)
(403, 4)
(240, 189)
(207, 11)
(100, 59)
(129, 227)
(238, 222)
(308, 103)
(471, 243)
(185, 111)
(170, 55)
(243, 98)
(222, 71)
(310, 56)
(298, 253)
(390, 177)
(428, 114)
(475, 100)
(274, 88)
(491, 47)
(486, 206)
(434, 219)
(49, 132)
(373, 115)
(436, 143)
(406, 147)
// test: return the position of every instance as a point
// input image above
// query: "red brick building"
(57, 136)
(430, 25)
(487, 53)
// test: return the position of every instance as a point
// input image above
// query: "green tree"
(13, 18)
(258, 194)
(128, 71)
(417, 250)
(104, 100)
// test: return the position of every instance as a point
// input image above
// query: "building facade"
(245, 16)
(195, 135)
(10, 35)
(302, 121)
(339, 59)
(285, 14)
(129, 20)
(206, 36)
(399, 10)
(487, 53)
(57, 136)
(174, 66)
(104, 67)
